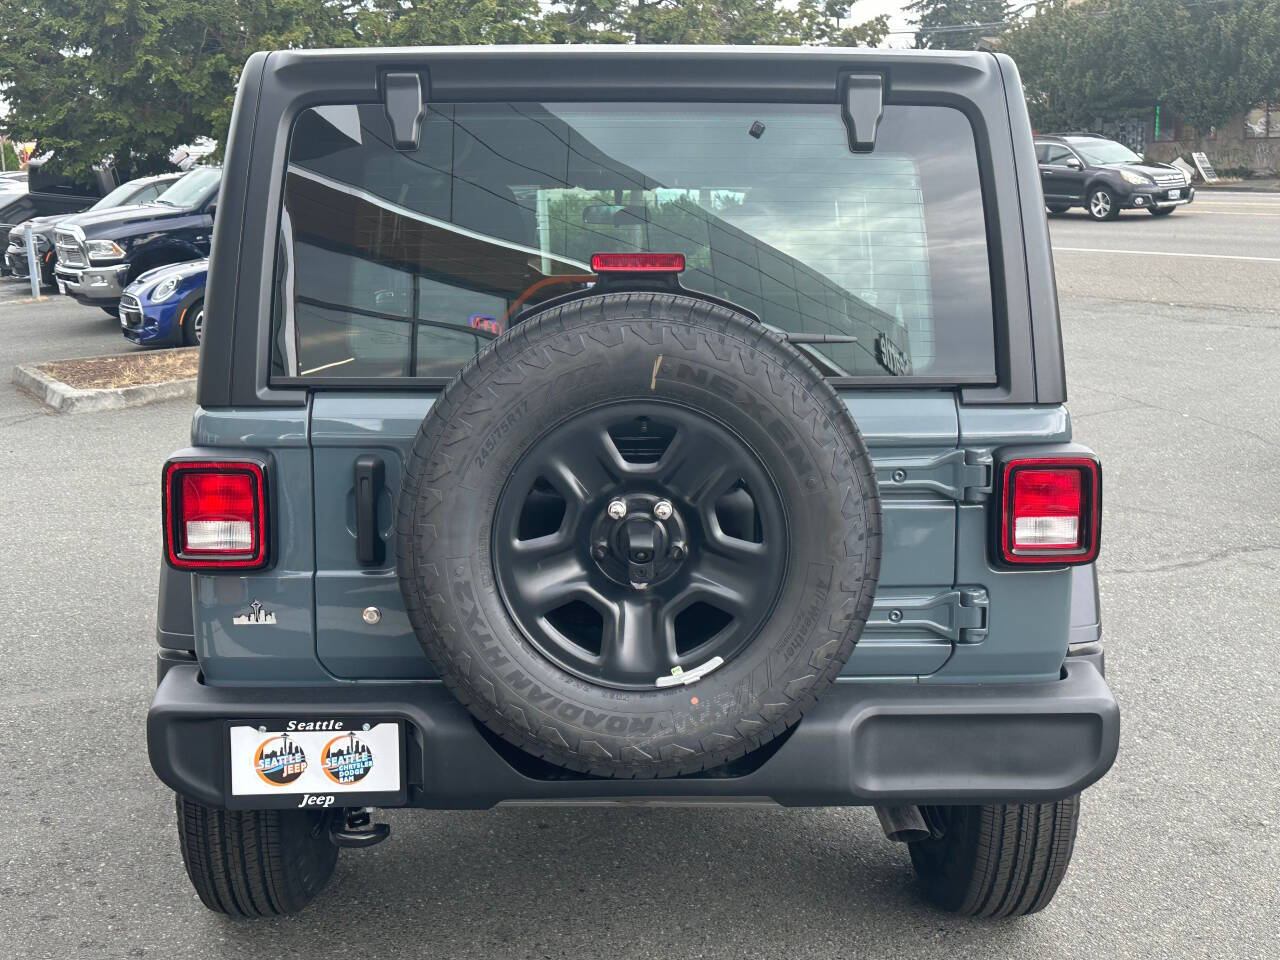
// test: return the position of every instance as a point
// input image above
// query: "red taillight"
(215, 514)
(1051, 510)
(637, 262)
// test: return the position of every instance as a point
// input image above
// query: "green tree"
(131, 79)
(712, 21)
(1101, 58)
(956, 24)
(10, 156)
(447, 22)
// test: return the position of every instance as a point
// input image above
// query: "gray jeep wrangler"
(630, 424)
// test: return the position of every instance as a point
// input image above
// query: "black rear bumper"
(884, 743)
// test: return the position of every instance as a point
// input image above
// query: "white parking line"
(1166, 253)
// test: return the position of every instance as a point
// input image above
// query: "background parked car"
(142, 190)
(165, 306)
(1105, 177)
(49, 192)
(103, 251)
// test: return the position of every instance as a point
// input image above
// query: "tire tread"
(1004, 860)
(242, 864)
(610, 319)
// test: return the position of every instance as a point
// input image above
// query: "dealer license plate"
(1175, 194)
(316, 763)
(62, 288)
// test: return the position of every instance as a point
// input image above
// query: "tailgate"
(919, 612)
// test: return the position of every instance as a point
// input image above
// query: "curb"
(1241, 187)
(67, 399)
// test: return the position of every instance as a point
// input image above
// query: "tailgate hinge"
(971, 615)
(958, 615)
(958, 474)
(861, 106)
(976, 476)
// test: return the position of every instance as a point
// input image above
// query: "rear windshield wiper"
(796, 336)
(808, 344)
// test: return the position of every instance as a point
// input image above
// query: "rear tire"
(996, 861)
(111, 311)
(1057, 209)
(255, 863)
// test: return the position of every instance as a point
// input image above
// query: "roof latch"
(403, 99)
(861, 104)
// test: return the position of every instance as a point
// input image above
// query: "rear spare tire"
(638, 535)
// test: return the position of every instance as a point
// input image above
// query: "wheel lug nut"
(677, 552)
(662, 509)
(599, 550)
(617, 509)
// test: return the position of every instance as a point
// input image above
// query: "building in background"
(1248, 144)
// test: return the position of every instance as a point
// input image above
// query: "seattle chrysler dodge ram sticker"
(314, 757)
(346, 760)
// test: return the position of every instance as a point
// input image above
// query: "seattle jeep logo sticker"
(346, 759)
(279, 760)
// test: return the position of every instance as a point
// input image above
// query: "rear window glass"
(45, 177)
(404, 264)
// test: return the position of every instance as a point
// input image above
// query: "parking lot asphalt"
(1174, 367)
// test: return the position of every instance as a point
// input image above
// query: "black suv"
(1105, 177)
(100, 252)
(638, 425)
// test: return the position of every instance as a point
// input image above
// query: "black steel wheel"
(640, 540)
(638, 535)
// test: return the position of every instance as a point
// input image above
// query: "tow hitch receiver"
(357, 829)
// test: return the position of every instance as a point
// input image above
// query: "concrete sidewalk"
(1252, 185)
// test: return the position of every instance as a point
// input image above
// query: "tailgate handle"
(370, 476)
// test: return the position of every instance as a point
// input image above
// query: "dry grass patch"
(125, 369)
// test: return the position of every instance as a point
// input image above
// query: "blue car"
(165, 306)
